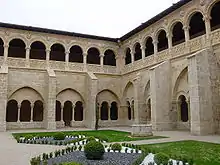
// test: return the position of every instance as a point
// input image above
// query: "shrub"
(63, 151)
(94, 150)
(126, 150)
(80, 148)
(161, 158)
(116, 147)
(59, 136)
(35, 161)
(51, 155)
(91, 138)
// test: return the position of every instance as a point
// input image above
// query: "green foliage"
(94, 150)
(59, 136)
(35, 161)
(161, 158)
(140, 159)
(71, 163)
(91, 138)
(51, 155)
(116, 147)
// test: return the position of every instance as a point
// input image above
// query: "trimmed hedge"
(94, 150)
(116, 147)
(59, 136)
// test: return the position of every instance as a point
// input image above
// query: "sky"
(109, 18)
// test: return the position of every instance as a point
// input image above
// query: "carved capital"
(101, 55)
(67, 52)
(84, 54)
(6, 46)
(186, 28)
(48, 50)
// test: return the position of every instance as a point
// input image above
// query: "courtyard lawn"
(106, 135)
(203, 153)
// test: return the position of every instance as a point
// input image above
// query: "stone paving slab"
(13, 153)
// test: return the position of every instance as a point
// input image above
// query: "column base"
(142, 130)
(50, 125)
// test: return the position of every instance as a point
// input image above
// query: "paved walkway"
(13, 153)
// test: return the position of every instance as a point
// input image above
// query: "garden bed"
(110, 158)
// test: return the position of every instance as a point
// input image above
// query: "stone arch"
(105, 98)
(93, 56)
(25, 111)
(12, 111)
(149, 46)
(39, 39)
(38, 50)
(114, 111)
(17, 48)
(189, 14)
(195, 23)
(128, 56)
(109, 58)
(104, 111)
(67, 112)
(71, 94)
(26, 93)
(181, 83)
(1, 47)
(76, 54)
(57, 52)
(38, 111)
(137, 51)
(17, 36)
(128, 99)
(178, 35)
(78, 111)
(162, 40)
(214, 12)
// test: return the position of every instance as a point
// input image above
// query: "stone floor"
(12, 153)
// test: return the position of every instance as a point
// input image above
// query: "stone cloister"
(165, 73)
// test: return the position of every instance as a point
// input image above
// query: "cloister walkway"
(13, 153)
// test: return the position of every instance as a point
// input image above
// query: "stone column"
(19, 112)
(27, 56)
(48, 57)
(169, 37)
(61, 113)
(67, 60)
(32, 112)
(143, 47)
(207, 19)
(3, 96)
(73, 110)
(155, 42)
(160, 80)
(187, 38)
(132, 56)
(202, 72)
(101, 59)
(5, 53)
(85, 61)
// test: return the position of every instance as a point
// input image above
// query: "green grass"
(203, 153)
(107, 135)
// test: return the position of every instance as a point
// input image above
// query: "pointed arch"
(137, 51)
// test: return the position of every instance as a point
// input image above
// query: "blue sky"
(110, 18)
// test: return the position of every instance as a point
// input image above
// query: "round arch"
(137, 51)
(162, 40)
(127, 56)
(57, 52)
(149, 46)
(178, 35)
(12, 111)
(93, 56)
(214, 11)
(76, 54)
(17, 48)
(38, 50)
(109, 58)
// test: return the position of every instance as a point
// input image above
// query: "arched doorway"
(104, 111)
(12, 111)
(114, 111)
(183, 105)
(67, 113)
(78, 111)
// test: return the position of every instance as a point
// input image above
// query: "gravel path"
(109, 159)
